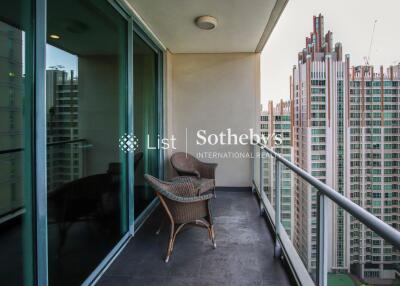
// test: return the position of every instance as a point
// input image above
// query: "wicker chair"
(183, 206)
(187, 165)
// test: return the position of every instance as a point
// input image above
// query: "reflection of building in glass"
(63, 160)
(11, 91)
(276, 121)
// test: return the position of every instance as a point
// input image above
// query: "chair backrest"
(171, 196)
(182, 161)
(182, 188)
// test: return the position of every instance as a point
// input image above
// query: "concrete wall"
(213, 92)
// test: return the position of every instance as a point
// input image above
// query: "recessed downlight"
(206, 22)
(55, 37)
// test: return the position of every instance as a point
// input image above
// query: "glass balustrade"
(319, 238)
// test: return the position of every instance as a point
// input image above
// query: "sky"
(351, 22)
(58, 57)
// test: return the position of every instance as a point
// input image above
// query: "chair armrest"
(207, 170)
(196, 198)
(180, 199)
(182, 179)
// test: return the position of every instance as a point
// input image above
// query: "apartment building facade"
(318, 85)
(372, 131)
(345, 133)
(276, 121)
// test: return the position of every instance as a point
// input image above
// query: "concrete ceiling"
(243, 25)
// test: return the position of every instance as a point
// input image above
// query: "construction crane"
(368, 58)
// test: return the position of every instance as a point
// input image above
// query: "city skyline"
(295, 23)
(344, 129)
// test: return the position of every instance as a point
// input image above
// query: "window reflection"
(15, 134)
(85, 97)
(146, 120)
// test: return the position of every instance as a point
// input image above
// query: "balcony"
(244, 253)
(255, 244)
(93, 92)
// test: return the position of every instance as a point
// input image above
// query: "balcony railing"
(66, 161)
(316, 236)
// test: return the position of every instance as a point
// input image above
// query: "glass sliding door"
(16, 98)
(86, 75)
(146, 116)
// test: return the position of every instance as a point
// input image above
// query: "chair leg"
(170, 243)
(209, 233)
(210, 227)
(213, 236)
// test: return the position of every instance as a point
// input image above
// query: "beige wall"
(213, 92)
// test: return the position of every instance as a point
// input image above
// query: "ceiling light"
(54, 36)
(206, 22)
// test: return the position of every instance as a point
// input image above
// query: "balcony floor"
(244, 254)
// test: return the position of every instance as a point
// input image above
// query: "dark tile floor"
(244, 254)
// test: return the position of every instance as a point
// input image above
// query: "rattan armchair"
(187, 165)
(183, 207)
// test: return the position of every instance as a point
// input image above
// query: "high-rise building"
(276, 121)
(318, 87)
(345, 133)
(373, 164)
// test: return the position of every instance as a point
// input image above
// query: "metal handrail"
(48, 145)
(380, 227)
(324, 191)
(66, 142)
